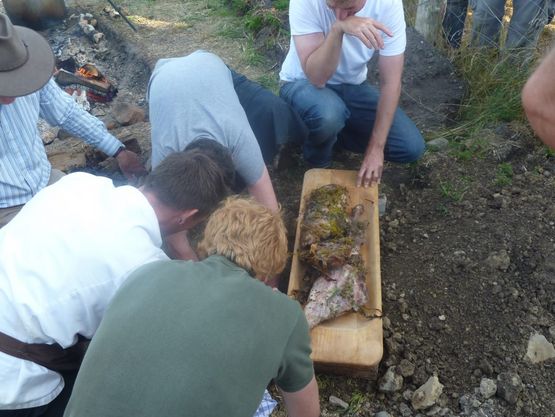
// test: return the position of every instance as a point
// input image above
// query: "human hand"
(371, 169)
(130, 165)
(366, 29)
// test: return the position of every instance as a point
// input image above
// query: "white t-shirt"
(314, 16)
(62, 258)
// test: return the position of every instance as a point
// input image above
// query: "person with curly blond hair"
(205, 338)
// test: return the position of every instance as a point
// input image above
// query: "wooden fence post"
(429, 15)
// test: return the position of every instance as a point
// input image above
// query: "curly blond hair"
(248, 234)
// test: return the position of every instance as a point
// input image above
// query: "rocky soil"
(467, 239)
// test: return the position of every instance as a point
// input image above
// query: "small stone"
(427, 395)
(539, 349)
(390, 382)
(499, 260)
(406, 368)
(386, 323)
(552, 332)
(407, 394)
(382, 204)
(433, 411)
(97, 37)
(509, 386)
(488, 388)
(382, 414)
(405, 410)
(438, 144)
(127, 114)
(338, 402)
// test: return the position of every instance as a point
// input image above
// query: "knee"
(324, 123)
(408, 149)
(415, 148)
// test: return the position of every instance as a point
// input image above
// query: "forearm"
(59, 109)
(304, 403)
(387, 105)
(538, 99)
(91, 130)
(321, 64)
(263, 191)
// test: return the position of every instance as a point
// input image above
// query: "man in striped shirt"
(27, 92)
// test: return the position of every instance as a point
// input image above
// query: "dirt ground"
(467, 241)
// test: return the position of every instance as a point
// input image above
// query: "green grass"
(357, 401)
(494, 82)
(504, 174)
(281, 5)
(454, 191)
(270, 81)
(258, 19)
(251, 56)
(466, 150)
(231, 31)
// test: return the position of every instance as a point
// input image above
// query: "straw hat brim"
(35, 73)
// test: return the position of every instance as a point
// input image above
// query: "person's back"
(192, 97)
(197, 339)
(63, 256)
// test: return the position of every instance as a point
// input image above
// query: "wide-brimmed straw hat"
(26, 60)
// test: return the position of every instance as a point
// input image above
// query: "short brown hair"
(219, 154)
(188, 180)
(248, 234)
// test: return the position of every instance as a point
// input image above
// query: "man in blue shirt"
(27, 92)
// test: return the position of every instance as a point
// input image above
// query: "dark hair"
(188, 180)
(219, 154)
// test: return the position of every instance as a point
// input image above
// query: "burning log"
(90, 79)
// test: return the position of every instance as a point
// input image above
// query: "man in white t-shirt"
(324, 77)
(65, 254)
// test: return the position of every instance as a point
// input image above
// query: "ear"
(188, 218)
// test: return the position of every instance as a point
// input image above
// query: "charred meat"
(331, 238)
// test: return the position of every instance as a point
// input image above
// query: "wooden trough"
(351, 344)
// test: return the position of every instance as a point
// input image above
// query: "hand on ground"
(130, 165)
(371, 169)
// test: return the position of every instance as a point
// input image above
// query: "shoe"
(285, 157)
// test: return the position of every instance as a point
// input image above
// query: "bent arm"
(391, 69)
(303, 403)
(59, 109)
(538, 100)
(263, 191)
(319, 55)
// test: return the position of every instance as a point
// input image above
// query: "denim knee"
(405, 149)
(324, 126)
(415, 149)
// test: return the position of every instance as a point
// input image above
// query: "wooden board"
(351, 344)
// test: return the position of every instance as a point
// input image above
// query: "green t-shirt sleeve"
(296, 369)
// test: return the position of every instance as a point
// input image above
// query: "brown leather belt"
(53, 357)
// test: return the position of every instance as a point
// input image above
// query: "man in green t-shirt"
(203, 339)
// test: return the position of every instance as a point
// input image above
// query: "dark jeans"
(344, 115)
(453, 21)
(55, 408)
(272, 120)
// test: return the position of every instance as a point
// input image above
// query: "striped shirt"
(24, 167)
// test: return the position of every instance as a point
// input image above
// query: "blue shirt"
(24, 167)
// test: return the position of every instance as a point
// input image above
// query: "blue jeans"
(529, 18)
(343, 115)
